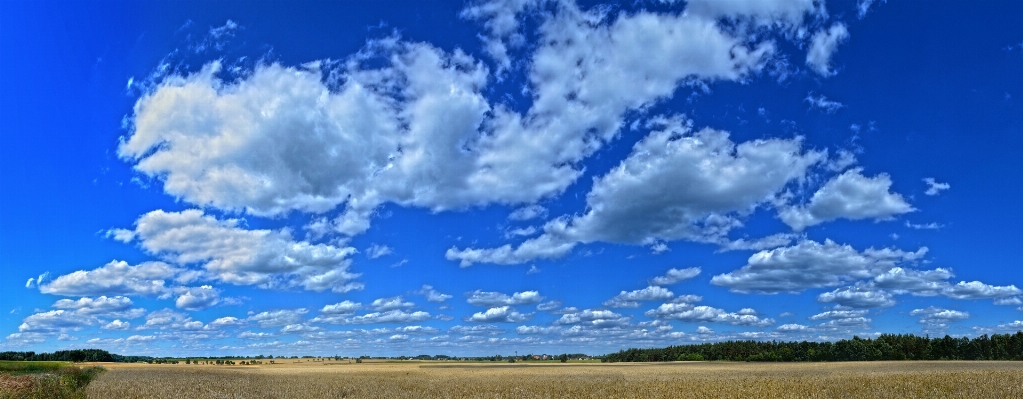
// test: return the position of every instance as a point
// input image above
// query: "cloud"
(298, 328)
(823, 103)
(858, 296)
(696, 314)
(278, 318)
(117, 325)
(548, 306)
(675, 185)
(850, 196)
(979, 290)
(198, 298)
(523, 232)
(1007, 328)
(1009, 301)
(935, 188)
(501, 314)
(230, 253)
(786, 13)
(842, 320)
(385, 304)
(917, 282)
(839, 314)
(415, 129)
(862, 6)
(101, 306)
(433, 295)
(341, 308)
(528, 213)
(823, 46)
(476, 330)
(928, 226)
(810, 264)
(226, 321)
(494, 299)
(935, 282)
(122, 235)
(55, 320)
(630, 299)
(375, 251)
(536, 330)
(391, 316)
(791, 328)
(673, 276)
(936, 315)
(593, 318)
(117, 278)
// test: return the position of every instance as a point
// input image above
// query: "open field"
(22, 367)
(333, 379)
(49, 380)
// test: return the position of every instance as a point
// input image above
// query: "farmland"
(412, 379)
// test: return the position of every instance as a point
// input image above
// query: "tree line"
(74, 355)
(884, 347)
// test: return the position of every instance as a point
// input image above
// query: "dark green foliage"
(75, 355)
(884, 347)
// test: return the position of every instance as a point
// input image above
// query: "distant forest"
(74, 355)
(884, 347)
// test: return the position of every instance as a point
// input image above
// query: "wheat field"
(946, 379)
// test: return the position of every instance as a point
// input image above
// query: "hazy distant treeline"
(884, 347)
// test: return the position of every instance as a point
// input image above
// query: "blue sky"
(183, 178)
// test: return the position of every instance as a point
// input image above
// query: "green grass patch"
(23, 367)
(51, 380)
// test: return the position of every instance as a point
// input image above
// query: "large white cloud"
(278, 318)
(233, 254)
(55, 320)
(810, 264)
(917, 282)
(118, 278)
(341, 308)
(198, 298)
(979, 290)
(391, 316)
(858, 297)
(167, 319)
(97, 306)
(385, 304)
(494, 299)
(935, 282)
(675, 185)
(936, 315)
(694, 314)
(284, 138)
(631, 299)
(500, 314)
(593, 318)
(851, 196)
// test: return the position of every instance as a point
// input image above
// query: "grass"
(49, 380)
(20, 368)
(974, 379)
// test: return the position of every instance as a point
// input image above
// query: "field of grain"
(974, 379)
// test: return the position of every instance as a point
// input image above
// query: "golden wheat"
(663, 380)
